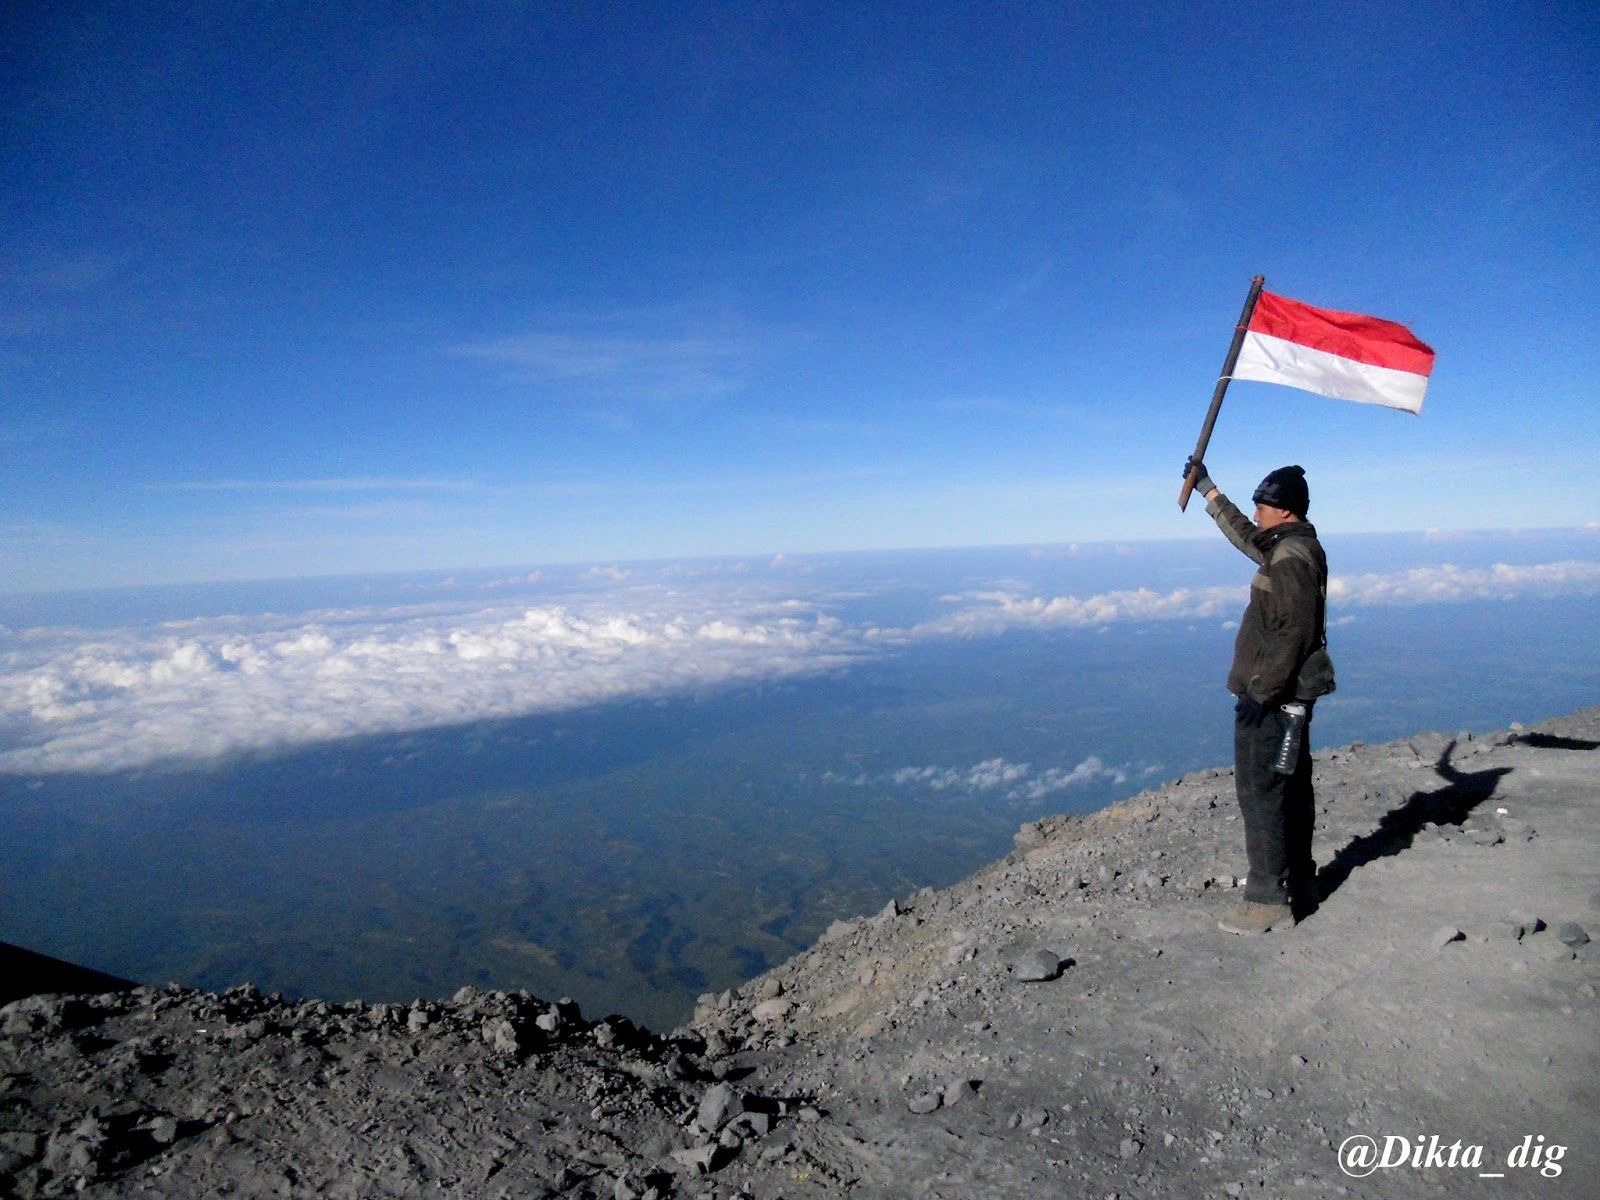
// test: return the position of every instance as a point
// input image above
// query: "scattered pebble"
(772, 1011)
(697, 1159)
(1038, 966)
(955, 1093)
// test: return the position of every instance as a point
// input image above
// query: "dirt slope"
(1443, 989)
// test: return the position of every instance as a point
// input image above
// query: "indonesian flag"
(1344, 355)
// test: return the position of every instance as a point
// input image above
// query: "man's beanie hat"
(1285, 488)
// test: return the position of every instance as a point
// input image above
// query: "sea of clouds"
(199, 690)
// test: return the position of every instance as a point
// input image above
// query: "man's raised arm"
(1236, 527)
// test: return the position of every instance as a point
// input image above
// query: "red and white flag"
(1344, 355)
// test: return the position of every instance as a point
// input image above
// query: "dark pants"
(1278, 810)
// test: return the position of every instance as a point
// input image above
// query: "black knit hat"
(1285, 488)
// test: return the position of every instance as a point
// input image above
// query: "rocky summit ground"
(1067, 1022)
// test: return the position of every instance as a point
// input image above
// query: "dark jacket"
(1284, 622)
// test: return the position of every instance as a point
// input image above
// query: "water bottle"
(1294, 724)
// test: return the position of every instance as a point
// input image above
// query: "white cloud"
(982, 777)
(1090, 770)
(201, 689)
(996, 611)
(1442, 584)
(1015, 781)
(319, 485)
(623, 364)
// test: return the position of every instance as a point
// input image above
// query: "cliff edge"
(1067, 1021)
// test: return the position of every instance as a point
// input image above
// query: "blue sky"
(328, 289)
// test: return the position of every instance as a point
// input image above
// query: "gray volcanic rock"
(718, 1106)
(1171, 1060)
(924, 1103)
(1037, 966)
(1572, 934)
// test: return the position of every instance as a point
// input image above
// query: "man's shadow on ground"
(1552, 741)
(1449, 806)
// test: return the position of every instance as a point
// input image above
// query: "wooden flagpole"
(1222, 386)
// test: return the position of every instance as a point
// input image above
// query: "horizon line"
(767, 556)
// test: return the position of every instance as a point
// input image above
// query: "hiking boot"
(1255, 917)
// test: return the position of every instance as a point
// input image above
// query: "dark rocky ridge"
(1067, 1021)
(24, 973)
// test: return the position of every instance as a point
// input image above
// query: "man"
(1279, 659)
